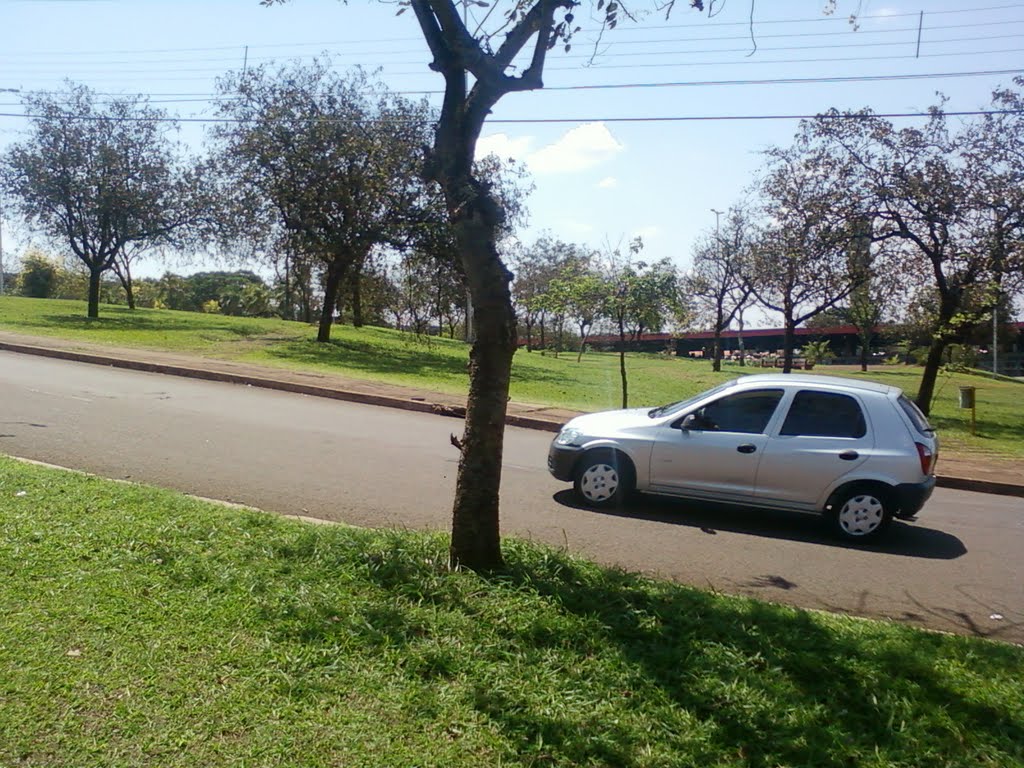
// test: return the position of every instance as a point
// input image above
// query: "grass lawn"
(142, 628)
(440, 364)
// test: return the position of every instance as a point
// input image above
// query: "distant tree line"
(316, 179)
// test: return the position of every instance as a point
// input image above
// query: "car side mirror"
(692, 421)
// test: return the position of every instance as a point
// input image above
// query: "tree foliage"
(337, 158)
(798, 266)
(719, 280)
(947, 199)
(100, 179)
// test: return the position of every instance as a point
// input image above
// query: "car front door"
(824, 436)
(714, 452)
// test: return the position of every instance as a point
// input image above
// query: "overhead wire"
(608, 53)
(556, 120)
(826, 19)
(214, 98)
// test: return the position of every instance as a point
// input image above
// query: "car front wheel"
(862, 514)
(604, 479)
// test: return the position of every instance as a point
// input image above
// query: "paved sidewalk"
(963, 471)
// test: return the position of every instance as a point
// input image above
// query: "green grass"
(440, 364)
(139, 628)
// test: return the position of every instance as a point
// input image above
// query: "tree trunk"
(583, 343)
(476, 538)
(716, 351)
(357, 300)
(529, 337)
(94, 292)
(931, 373)
(622, 365)
(125, 278)
(865, 347)
(788, 342)
(743, 352)
(543, 341)
(288, 313)
(331, 282)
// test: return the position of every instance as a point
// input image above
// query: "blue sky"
(598, 180)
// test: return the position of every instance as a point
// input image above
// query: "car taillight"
(927, 458)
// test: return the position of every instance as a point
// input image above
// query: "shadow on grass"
(399, 357)
(126, 321)
(984, 428)
(779, 686)
(369, 356)
(614, 668)
(904, 539)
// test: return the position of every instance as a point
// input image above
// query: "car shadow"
(903, 539)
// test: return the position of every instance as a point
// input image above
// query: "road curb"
(383, 401)
(979, 486)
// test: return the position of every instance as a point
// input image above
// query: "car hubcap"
(599, 482)
(861, 515)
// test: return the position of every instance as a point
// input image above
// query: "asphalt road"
(959, 568)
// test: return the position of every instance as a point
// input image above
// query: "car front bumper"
(562, 460)
(912, 496)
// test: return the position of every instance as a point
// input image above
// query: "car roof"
(833, 382)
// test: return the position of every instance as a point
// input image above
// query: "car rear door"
(824, 436)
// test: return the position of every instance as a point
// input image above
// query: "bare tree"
(798, 266)
(943, 198)
(718, 282)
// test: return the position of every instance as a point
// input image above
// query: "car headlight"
(568, 436)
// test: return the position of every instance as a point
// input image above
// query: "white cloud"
(504, 146)
(608, 182)
(581, 148)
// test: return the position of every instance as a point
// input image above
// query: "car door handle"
(746, 448)
(849, 455)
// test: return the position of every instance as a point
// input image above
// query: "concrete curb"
(365, 398)
(979, 486)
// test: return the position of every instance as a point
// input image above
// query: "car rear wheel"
(862, 514)
(604, 479)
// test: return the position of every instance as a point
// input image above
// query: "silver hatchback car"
(858, 452)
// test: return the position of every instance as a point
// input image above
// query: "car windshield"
(671, 408)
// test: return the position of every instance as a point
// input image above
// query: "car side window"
(747, 412)
(824, 414)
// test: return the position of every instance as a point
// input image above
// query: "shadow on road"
(903, 539)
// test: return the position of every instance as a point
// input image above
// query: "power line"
(608, 54)
(709, 25)
(550, 120)
(659, 65)
(611, 45)
(212, 98)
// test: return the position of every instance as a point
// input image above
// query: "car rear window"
(824, 414)
(918, 419)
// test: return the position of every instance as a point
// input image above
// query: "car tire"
(604, 479)
(862, 513)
